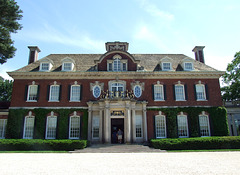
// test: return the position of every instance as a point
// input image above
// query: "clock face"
(96, 91)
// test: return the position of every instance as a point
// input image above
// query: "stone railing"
(117, 95)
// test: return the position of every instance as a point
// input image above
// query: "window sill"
(159, 100)
(74, 101)
(53, 101)
(31, 101)
(202, 100)
(181, 100)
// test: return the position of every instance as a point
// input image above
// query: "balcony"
(117, 95)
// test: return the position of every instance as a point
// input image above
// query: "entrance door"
(116, 124)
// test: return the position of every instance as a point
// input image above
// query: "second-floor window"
(32, 93)
(158, 92)
(179, 92)
(54, 93)
(200, 92)
(75, 93)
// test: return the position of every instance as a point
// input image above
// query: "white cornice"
(119, 75)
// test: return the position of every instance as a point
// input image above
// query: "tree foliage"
(5, 89)
(231, 92)
(10, 13)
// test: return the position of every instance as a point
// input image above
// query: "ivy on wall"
(217, 116)
(16, 122)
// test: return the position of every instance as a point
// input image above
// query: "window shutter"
(69, 92)
(60, 92)
(165, 92)
(81, 128)
(48, 92)
(26, 93)
(81, 92)
(174, 96)
(38, 90)
(153, 96)
(186, 92)
(206, 90)
(195, 91)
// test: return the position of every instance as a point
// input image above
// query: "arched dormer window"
(187, 64)
(67, 64)
(117, 64)
(45, 65)
(166, 64)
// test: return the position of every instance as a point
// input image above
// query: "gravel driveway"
(120, 163)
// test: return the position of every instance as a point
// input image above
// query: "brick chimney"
(33, 54)
(199, 56)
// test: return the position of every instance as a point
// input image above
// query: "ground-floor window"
(160, 126)
(74, 127)
(51, 127)
(95, 127)
(182, 126)
(28, 127)
(3, 124)
(204, 125)
(138, 126)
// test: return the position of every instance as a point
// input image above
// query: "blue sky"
(149, 26)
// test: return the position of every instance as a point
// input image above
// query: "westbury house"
(88, 96)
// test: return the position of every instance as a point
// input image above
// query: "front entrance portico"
(101, 113)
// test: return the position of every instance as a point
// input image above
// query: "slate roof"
(85, 62)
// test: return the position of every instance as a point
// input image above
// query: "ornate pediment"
(122, 46)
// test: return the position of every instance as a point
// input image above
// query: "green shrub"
(227, 142)
(38, 144)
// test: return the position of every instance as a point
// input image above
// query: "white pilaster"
(128, 117)
(133, 123)
(90, 120)
(145, 138)
(107, 123)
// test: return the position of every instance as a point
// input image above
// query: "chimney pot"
(33, 54)
(199, 56)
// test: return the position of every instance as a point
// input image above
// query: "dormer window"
(166, 66)
(188, 66)
(45, 67)
(117, 64)
(67, 67)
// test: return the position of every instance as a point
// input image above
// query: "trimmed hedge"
(16, 122)
(38, 144)
(197, 143)
(217, 118)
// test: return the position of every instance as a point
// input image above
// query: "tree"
(231, 92)
(9, 16)
(5, 89)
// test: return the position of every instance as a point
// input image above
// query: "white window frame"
(72, 98)
(180, 119)
(135, 91)
(186, 68)
(170, 66)
(95, 127)
(116, 65)
(93, 91)
(161, 127)
(161, 92)
(29, 91)
(51, 93)
(177, 95)
(42, 66)
(74, 127)
(64, 68)
(138, 127)
(28, 131)
(207, 125)
(3, 125)
(202, 86)
(54, 130)
(126, 68)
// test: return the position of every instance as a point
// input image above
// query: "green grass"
(208, 150)
(33, 151)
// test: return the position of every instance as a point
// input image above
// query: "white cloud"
(3, 72)
(153, 10)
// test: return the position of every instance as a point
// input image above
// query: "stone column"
(145, 137)
(100, 125)
(133, 123)
(128, 118)
(107, 123)
(90, 120)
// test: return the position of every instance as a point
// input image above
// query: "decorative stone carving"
(96, 83)
(138, 83)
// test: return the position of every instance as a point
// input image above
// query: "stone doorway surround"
(106, 109)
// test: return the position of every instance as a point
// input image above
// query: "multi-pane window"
(45, 66)
(3, 124)
(95, 127)
(51, 127)
(138, 126)
(124, 66)
(67, 66)
(137, 91)
(110, 67)
(179, 92)
(54, 93)
(75, 93)
(158, 92)
(160, 126)
(200, 92)
(166, 66)
(188, 66)
(182, 126)
(74, 127)
(32, 92)
(204, 125)
(117, 89)
(117, 65)
(96, 91)
(28, 127)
